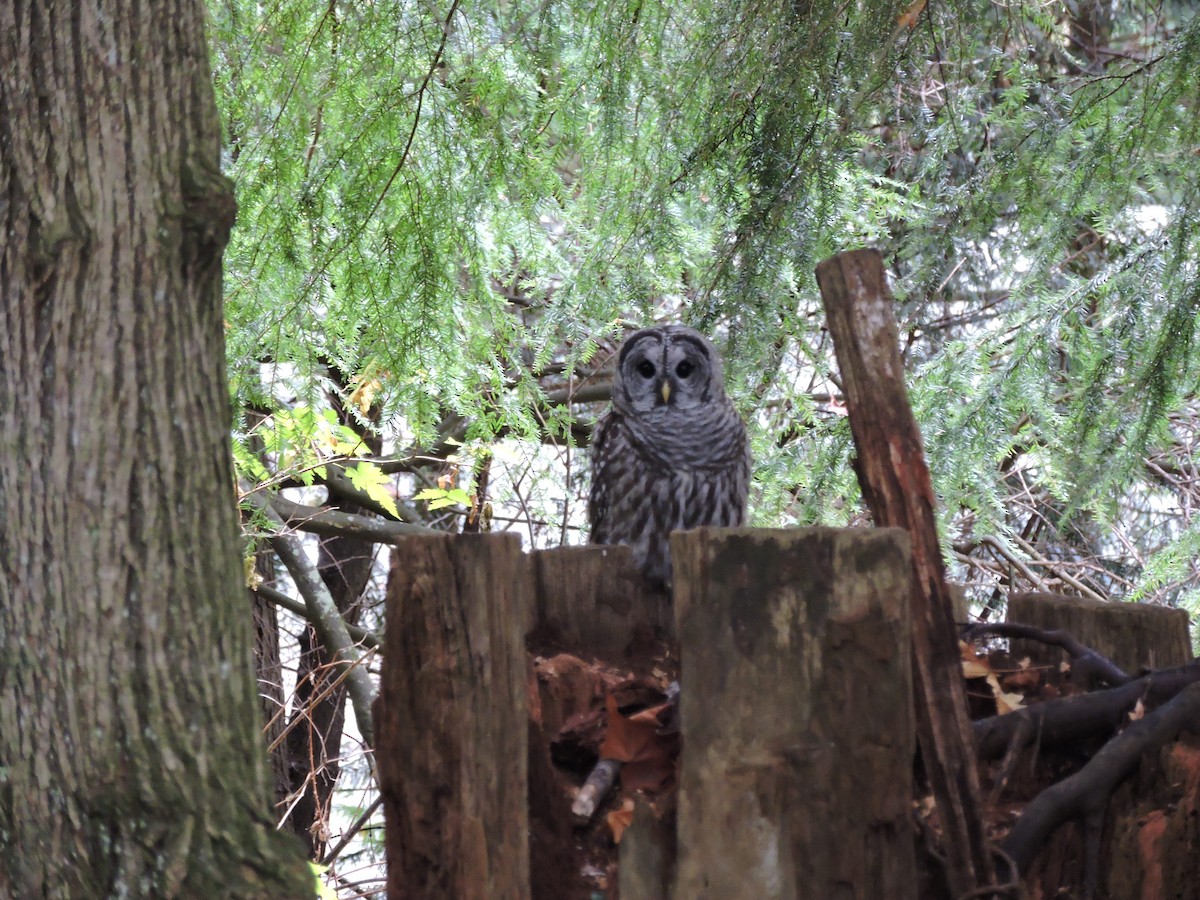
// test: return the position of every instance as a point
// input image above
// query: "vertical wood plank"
(452, 719)
(796, 711)
(593, 602)
(647, 855)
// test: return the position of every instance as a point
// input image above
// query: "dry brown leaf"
(631, 739)
(1005, 702)
(1138, 712)
(648, 757)
(620, 819)
(626, 740)
(652, 714)
(1026, 678)
(648, 775)
(974, 665)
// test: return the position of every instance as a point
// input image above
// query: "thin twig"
(361, 635)
(349, 833)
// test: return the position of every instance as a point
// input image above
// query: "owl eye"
(684, 369)
(646, 368)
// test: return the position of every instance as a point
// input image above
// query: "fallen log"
(1056, 723)
(1085, 795)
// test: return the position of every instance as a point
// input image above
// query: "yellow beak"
(666, 391)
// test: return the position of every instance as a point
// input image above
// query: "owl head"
(667, 372)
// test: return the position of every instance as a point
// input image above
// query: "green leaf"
(371, 480)
(324, 891)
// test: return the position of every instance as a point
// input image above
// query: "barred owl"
(672, 451)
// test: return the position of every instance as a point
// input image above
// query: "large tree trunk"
(128, 724)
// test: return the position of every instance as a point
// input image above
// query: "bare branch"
(1087, 664)
(360, 635)
(326, 620)
(318, 520)
(339, 485)
(1086, 793)
(350, 832)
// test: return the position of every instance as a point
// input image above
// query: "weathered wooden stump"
(647, 859)
(1155, 828)
(1132, 635)
(593, 602)
(797, 714)
(452, 727)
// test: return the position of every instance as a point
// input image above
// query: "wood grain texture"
(1132, 635)
(593, 602)
(452, 719)
(129, 731)
(795, 706)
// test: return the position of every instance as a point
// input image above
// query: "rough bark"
(1152, 847)
(268, 672)
(129, 738)
(647, 855)
(1145, 844)
(453, 719)
(1134, 636)
(268, 663)
(896, 486)
(796, 713)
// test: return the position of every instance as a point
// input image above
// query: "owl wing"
(606, 438)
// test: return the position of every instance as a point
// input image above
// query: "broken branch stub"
(895, 483)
